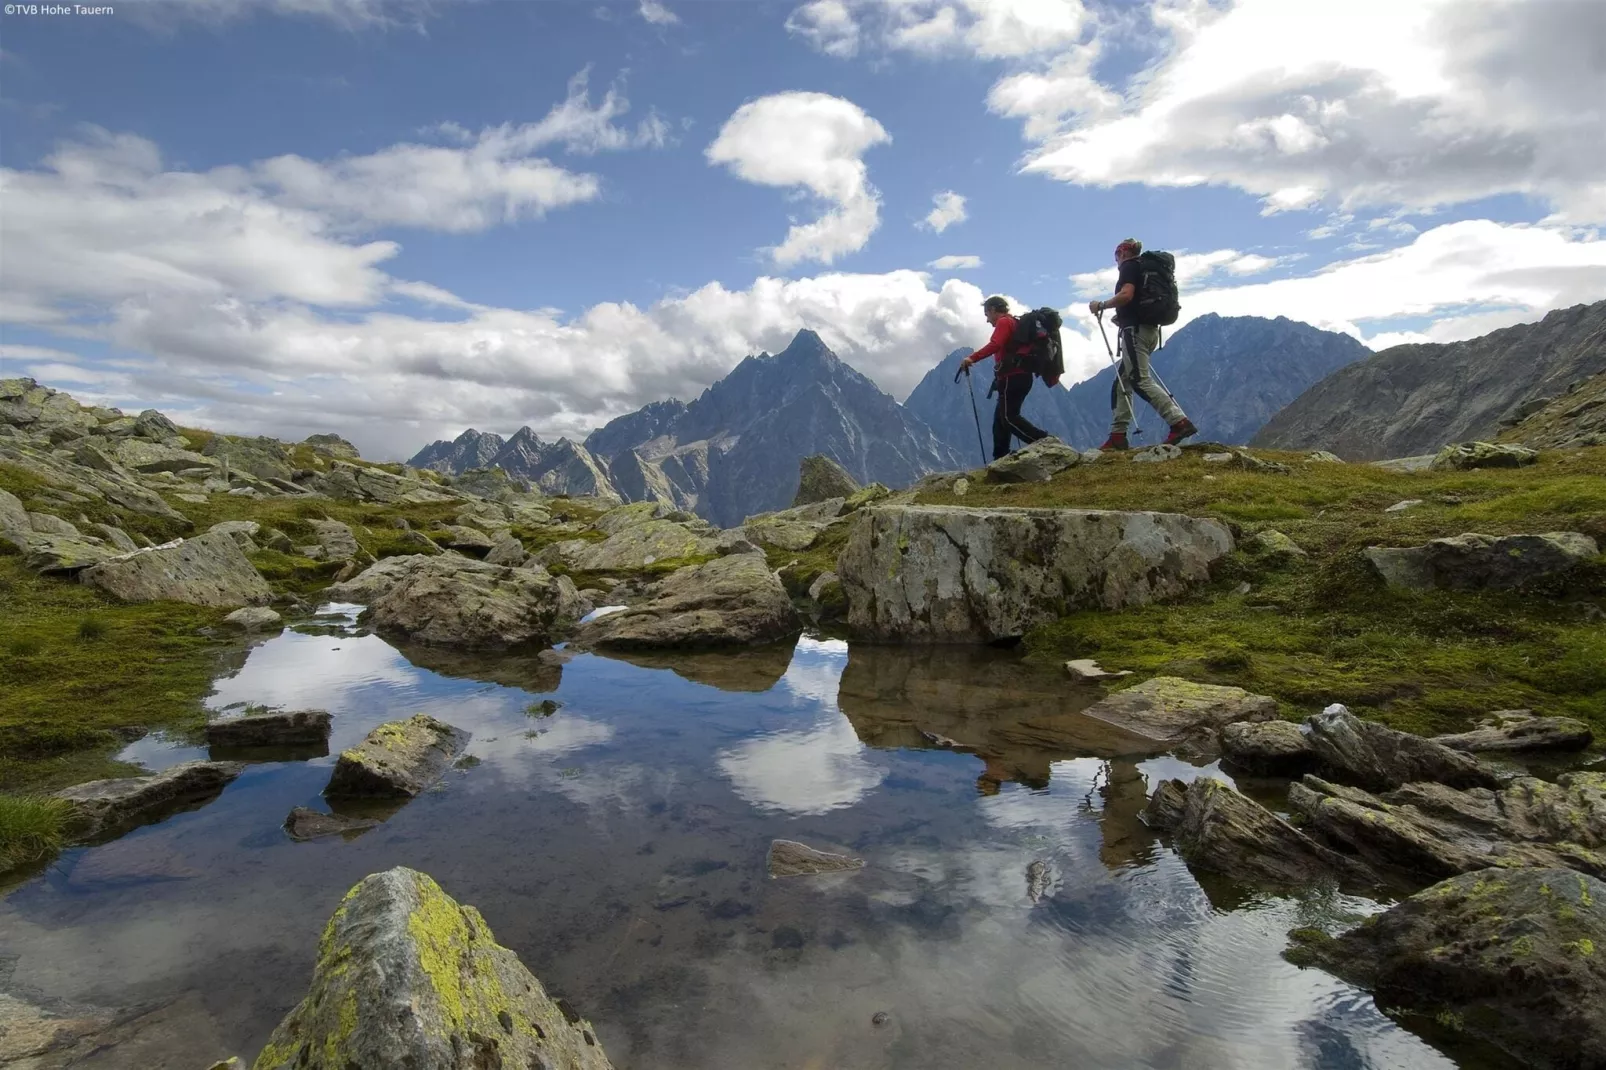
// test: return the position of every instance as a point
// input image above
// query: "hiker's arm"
(1122, 297)
(995, 344)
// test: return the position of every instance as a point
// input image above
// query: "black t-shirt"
(1126, 315)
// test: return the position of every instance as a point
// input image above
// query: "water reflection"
(616, 841)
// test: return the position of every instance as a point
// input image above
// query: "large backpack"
(1037, 343)
(1157, 304)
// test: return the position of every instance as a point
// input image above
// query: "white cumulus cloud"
(955, 263)
(656, 13)
(948, 208)
(815, 142)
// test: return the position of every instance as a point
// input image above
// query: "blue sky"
(398, 219)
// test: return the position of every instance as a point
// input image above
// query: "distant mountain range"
(1231, 374)
(732, 452)
(1415, 399)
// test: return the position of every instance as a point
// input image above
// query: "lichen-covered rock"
(631, 546)
(277, 729)
(377, 579)
(788, 858)
(819, 478)
(58, 555)
(338, 541)
(1036, 463)
(208, 570)
(730, 601)
(1511, 731)
(254, 619)
(1167, 709)
(1468, 455)
(826, 594)
(457, 601)
(1271, 747)
(1378, 757)
(1157, 454)
(1217, 830)
(142, 455)
(1474, 562)
(786, 534)
(407, 977)
(13, 517)
(398, 759)
(119, 538)
(1275, 547)
(104, 805)
(45, 524)
(332, 445)
(1439, 831)
(1514, 957)
(1324, 457)
(927, 573)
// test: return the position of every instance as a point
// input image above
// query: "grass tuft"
(91, 628)
(31, 828)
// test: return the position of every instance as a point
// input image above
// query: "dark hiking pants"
(1007, 421)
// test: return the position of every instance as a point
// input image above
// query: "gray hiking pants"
(1134, 376)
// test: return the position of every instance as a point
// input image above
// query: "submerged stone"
(787, 858)
(407, 977)
(306, 824)
(270, 729)
(1168, 709)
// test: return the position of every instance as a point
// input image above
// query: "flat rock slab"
(1378, 757)
(399, 759)
(1169, 710)
(456, 601)
(1036, 463)
(1269, 747)
(631, 547)
(208, 570)
(925, 573)
(296, 727)
(304, 824)
(787, 534)
(59, 555)
(1517, 956)
(731, 601)
(1217, 830)
(102, 806)
(1524, 734)
(379, 578)
(407, 977)
(1088, 669)
(787, 858)
(254, 619)
(1474, 562)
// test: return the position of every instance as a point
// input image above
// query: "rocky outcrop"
(208, 570)
(1378, 757)
(1513, 957)
(58, 555)
(398, 759)
(787, 858)
(631, 547)
(379, 578)
(1575, 418)
(407, 977)
(1036, 463)
(507, 551)
(103, 806)
(295, 727)
(1466, 456)
(1275, 748)
(1520, 730)
(457, 601)
(1168, 710)
(1437, 831)
(1217, 830)
(1475, 562)
(1413, 399)
(920, 573)
(820, 478)
(336, 540)
(730, 601)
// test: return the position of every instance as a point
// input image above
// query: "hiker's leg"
(1018, 386)
(1140, 341)
(1121, 390)
(1001, 422)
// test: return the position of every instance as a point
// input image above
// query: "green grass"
(75, 666)
(1324, 629)
(800, 568)
(30, 828)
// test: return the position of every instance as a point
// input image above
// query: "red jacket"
(1001, 345)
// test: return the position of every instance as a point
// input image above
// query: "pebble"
(880, 1018)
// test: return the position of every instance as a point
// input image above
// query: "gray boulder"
(58, 555)
(1474, 562)
(923, 573)
(1514, 957)
(13, 517)
(103, 806)
(787, 534)
(1378, 757)
(1217, 830)
(631, 547)
(380, 577)
(338, 541)
(507, 551)
(292, 728)
(243, 532)
(1520, 730)
(407, 977)
(45, 524)
(1168, 710)
(1269, 747)
(119, 538)
(1438, 831)
(140, 455)
(1468, 455)
(465, 539)
(820, 478)
(254, 619)
(398, 759)
(730, 601)
(1036, 463)
(208, 570)
(457, 601)
(787, 858)
(1275, 548)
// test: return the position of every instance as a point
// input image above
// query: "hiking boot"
(1116, 441)
(1180, 430)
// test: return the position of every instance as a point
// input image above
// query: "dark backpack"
(1037, 344)
(1157, 304)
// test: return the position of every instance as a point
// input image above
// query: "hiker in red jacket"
(1012, 378)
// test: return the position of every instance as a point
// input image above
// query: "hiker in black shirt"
(1138, 341)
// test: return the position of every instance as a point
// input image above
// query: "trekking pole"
(1120, 383)
(971, 393)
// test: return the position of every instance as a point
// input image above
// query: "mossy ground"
(1323, 629)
